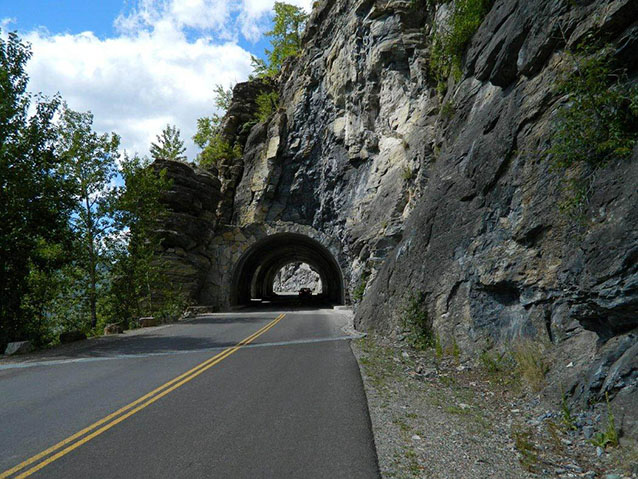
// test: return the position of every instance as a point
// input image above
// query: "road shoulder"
(434, 417)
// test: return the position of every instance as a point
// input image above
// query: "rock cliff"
(450, 196)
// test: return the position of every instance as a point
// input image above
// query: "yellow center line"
(154, 395)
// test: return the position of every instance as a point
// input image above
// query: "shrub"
(218, 149)
(448, 43)
(447, 110)
(567, 418)
(493, 362)
(608, 437)
(407, 173)
(597, 125)
(531, 365)
(214, 146)
(359, 291)
(267, 104)
(416, 322)
(526, 448)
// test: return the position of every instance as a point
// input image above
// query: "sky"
(139, 65)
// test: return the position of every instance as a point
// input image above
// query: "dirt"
(435, 417)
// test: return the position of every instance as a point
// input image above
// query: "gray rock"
(113, 329)
(588, 432)
(18, 347)
(148, 322)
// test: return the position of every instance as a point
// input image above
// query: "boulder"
(71, 336)
(148, 322)
(113, 329)
(18, 347)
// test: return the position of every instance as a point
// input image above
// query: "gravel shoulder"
(434, 417)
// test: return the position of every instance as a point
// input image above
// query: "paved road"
(288, 404)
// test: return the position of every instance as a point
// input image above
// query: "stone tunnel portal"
(255, 271)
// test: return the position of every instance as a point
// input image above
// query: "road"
(253, 394)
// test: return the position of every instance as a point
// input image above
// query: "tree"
(209, 135)
(139, 286)
(223, 97)
(169, 146)
(89, 163)
(288, 26)
(34, 196)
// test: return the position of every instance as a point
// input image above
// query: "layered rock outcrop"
(451, 197)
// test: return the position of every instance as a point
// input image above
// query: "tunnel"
(254, 274)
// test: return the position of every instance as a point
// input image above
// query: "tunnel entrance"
(256, 272)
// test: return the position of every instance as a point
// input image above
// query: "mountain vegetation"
(77, 248)
(169, 145)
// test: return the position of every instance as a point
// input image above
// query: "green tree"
(223, 97)
(139, 286)
(209, 136)
(34, 197)
(89, 163)
(289, 23)
(169, 145)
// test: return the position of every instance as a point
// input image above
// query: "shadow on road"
(182, 336)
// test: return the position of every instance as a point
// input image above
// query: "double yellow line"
(70, 443)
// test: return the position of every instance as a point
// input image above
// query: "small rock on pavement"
(416, 437)
(113, 329)
(599, 451)
(18, 347)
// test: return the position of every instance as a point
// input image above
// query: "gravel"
(433, 417)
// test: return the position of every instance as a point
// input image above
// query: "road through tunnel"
(254, 275)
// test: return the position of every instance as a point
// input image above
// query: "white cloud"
(154, 71)
(5, 22)
(134, 85)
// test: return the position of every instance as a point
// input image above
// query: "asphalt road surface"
(255, 394)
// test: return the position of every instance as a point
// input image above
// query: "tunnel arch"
(254, 273)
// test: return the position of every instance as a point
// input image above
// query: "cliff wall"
(452, 196)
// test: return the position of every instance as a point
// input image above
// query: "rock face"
(192, 200)
(293, 277)
(448, 197)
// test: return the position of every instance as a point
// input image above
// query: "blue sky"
(140, 64)
(64, 16)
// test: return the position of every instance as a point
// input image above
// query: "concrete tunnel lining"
(254, 273)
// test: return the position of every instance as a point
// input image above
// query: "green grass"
(531, 365)
(567, 418)
(609, 436)
(527, 449)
